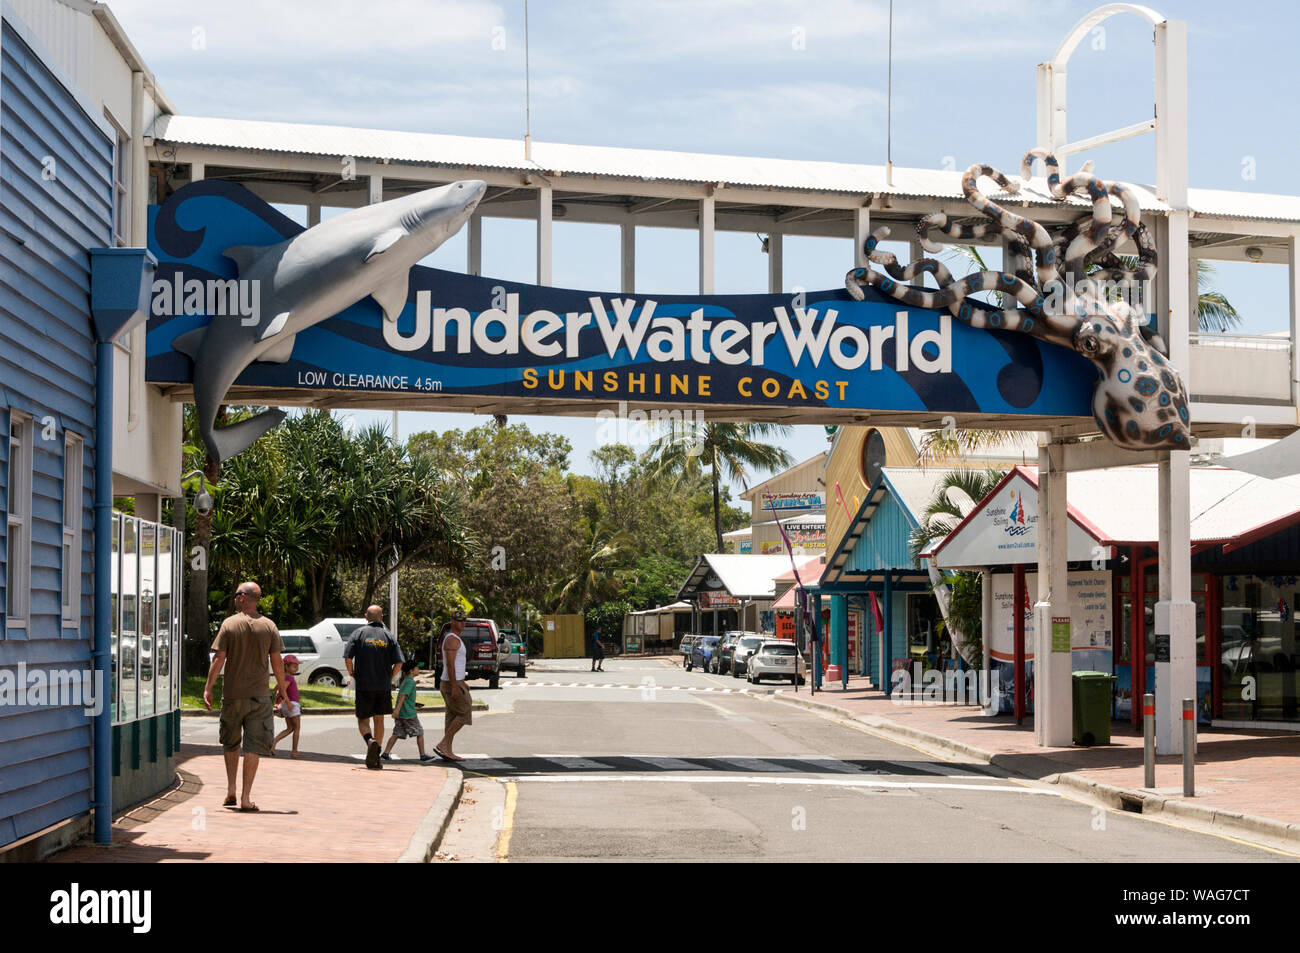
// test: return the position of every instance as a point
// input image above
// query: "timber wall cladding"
(56, 202)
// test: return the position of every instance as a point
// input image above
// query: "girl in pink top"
(290, 708)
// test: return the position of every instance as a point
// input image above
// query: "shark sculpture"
(311, 277)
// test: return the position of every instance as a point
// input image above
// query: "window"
(121, 207)
(18, 561)
(72, 502)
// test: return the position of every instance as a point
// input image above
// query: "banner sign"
(720, 599)
(465, 335)
(794, 501)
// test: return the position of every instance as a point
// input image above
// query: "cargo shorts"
(461, 707)
(249, 720)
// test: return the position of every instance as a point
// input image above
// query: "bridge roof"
(648, 165)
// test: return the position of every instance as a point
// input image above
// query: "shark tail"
(223, 443)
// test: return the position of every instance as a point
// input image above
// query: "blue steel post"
(103, 732)
(816, 664)
(885, 646)
(840, 636)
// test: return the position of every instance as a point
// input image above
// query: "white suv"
(321, 650)
(776, 658)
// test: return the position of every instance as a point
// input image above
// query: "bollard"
(1149, 743)
(1189, 747)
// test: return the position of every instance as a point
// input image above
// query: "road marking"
(508, 823)
(829, 764)
(670, 764)
(573, 761)
(755, 764)
(762, 779)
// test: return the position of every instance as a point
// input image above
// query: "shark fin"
(244, 256)
(275, 327)
(224, 442)
(281, 351)
(385, 241)
(189, 342)
(392, 296)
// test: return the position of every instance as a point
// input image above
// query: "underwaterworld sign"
(429, 332)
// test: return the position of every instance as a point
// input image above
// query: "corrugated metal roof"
(915, 487)
(744, 576)
(653, 164)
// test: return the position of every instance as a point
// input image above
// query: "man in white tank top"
(455, 693)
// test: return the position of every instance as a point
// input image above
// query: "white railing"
(1279, 341)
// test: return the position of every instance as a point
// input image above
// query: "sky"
(797, 80)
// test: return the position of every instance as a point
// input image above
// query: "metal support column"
(474, 245)
(1175, 628)
(628, 283)
(706, 245)
(840, 636)
(887, 635)
(816, 653)
(861, 232)
(775, 263)
(1053, 711)
(545, 198)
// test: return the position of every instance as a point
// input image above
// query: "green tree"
(725, 450)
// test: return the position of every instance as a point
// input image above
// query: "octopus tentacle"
(921, 266)
(1029, 231)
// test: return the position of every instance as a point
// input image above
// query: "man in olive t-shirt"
(244, 643)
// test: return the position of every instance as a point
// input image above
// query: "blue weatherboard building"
(68, 743)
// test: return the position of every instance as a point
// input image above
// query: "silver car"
(747, 646)
(776, 658)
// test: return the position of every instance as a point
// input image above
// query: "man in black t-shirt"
(373, 659)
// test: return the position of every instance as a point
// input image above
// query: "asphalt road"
(648, 762)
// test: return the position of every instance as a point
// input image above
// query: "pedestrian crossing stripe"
(644, 688)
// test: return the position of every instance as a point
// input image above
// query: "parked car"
(776, 659)
(747, 646)
(482, 651)
(326, 640)
(685, 649)
(514, 652)
(702, 652)
(723, 663)
(319, 650)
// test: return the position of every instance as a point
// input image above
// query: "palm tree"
(957, 491)
(595, 577)
(958, 593)
(727, 449)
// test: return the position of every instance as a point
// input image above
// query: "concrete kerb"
(428, 836)
(1134, 800)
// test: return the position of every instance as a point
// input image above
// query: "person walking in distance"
(459, 710)
(244, 643)
(597, 652)
(373, 659)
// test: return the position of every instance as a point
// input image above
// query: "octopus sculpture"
(1066, 289)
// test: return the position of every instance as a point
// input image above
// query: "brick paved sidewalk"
(1250, 772)
(318, 808)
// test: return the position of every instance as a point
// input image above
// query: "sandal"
(230, 801)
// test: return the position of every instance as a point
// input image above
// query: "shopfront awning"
(1117, 507)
